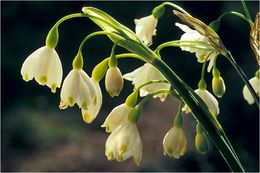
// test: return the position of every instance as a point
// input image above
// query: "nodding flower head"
(175, 142)
(44, 66)
(145, 29)
(145, 74)
(203, 51)
(114, 81)
(77, 88)
(124, 142)
(117, 117)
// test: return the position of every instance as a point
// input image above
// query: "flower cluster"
(150, 80)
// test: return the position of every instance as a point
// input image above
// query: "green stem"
(236, 14)
(131, 55)
(95, 34)
(151, 82)
(243, 77)
(176, 7)
(183, 43)
(178, 120)
(69, 17)
(246, 10)
(150, 96)
(203, 69)
(113, 60)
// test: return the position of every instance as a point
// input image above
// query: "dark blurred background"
(37, 136)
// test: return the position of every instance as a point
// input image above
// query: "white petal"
(69, 89)
(116, 117)
(212, 60)
(146, 28)
(94, 107)
(55, 72)
(210, 101)
(27, 70)
(145, 74)
(184, 28)
(255, 82)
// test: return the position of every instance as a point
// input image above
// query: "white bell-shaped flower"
(44, 66)
(145, 29)
(193, 36)
(124, 142)
(114, 81)
(209, 100)
(145, 74)
(116, 117)
(94, 106)
(175, 142)
(255, 82)
(77, 88)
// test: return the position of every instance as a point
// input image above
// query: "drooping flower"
(44, 66)
(202, 51)
(145, 74)
(93, 108)
(116, 117)
(78, 88)
(209, 100)
(114, 81)
(124, 142)
(255, 82)
(175, 142)
(145, 29)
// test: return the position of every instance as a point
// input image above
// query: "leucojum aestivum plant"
(158, 80)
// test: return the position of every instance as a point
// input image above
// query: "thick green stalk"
(246, 10)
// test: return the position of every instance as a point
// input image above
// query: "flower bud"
(100, 70)
(114, 81)
(201, 143)
(158, 11)
(132, 99)
(218, 86)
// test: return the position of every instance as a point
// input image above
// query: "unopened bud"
(132, 99)
(218, 86)
(201, 143)
(114, 81)
(100, 70)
